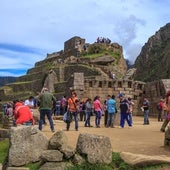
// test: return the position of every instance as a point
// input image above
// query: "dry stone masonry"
(28, 144)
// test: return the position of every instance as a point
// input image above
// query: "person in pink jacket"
(97, 110)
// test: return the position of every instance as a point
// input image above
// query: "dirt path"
(140, 139)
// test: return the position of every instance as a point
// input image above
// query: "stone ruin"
(61, 72)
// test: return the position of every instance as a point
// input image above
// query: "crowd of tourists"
(74, 109)
(103, 40)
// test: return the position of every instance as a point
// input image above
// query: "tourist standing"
(105, 112)
(167, 107)
(46, 101)
(97, 110)
(131, 104)
(160, 108)
(146, 111)
(124, 111)
(88, 112)
(73, 105)
(111, 108)
(82, 111)
(57, 107)
(63, 105)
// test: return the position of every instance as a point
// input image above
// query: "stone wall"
(55, 152)
(74, 43)
(154, 91)
(94, 87)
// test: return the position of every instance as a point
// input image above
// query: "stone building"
(74, 46)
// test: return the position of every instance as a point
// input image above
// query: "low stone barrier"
(28, 145)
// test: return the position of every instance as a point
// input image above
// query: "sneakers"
(53, 130)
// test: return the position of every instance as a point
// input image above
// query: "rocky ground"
(140, 139)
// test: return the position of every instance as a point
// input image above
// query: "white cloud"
(46, 25)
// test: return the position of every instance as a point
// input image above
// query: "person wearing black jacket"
(124, 111)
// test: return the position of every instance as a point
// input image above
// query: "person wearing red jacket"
(22, 114)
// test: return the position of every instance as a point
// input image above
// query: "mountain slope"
(6, 80)
(154, 60)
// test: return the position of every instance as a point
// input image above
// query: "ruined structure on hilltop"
(90, 69)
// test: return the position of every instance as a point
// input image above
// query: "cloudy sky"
(32, 28)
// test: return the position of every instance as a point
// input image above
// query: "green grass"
(4, 145)
(96, 55)
(33, 166)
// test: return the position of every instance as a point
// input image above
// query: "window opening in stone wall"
(100, 83)
(135, 97)
(90, 84)
(139, 87)
(109, 84)
(119, 84)
(140, 94)
(129, 84)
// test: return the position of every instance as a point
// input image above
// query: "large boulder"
(68, 151)
(51, 156)
(97, 148)
(60, 141)
(139, 160)
(57, 140)
(26, 145)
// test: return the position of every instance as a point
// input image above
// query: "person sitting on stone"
(29, 102)
(22, 114)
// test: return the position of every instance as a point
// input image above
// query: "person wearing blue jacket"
(111, 108)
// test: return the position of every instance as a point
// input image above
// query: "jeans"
(130, 117)
(44, 112)
(123, 117)
(160, 115)
(146, 117)
(63, 110)
(57, 110)
(105, 117)
(97, 118)
(75, 116)
(88, 115)
(110, 120)
(82, 115)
